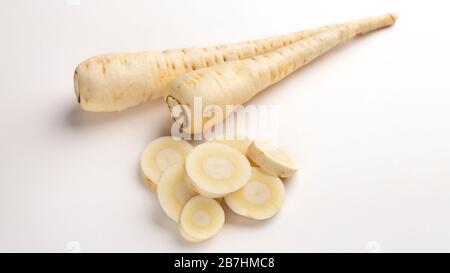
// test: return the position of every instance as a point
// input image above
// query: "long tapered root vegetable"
(159, 155)
(201, 218)
(234, 83)
(261, 198)
(272, 159)
(215, 169)
(116, 82)
(173, 192)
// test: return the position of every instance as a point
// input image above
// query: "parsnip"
(115, 82)
(236, 82)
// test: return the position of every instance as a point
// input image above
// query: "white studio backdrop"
(369, 124)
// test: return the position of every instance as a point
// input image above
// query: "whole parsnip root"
(236, 82)
(116, 82)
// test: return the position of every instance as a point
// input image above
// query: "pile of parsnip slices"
(191, 182)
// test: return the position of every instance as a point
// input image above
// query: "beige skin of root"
(115, 82)
(236, 82)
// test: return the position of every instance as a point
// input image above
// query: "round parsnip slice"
(173, 192)
(215, 169)
(261, 198)
(201, 218)
(160, 154)
(272, 159)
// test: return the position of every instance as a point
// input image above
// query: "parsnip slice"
(215, 169)
(160, 154)
(201, 218)
(173, 192)
(261, 198)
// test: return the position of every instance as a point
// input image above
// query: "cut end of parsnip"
(178, 109)
(272, 159)
(162, 153)
(75, 85)
(215, 169)
(201, 218)
(261, 198)
(173, 192)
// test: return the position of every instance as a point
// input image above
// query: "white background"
(369, 124)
